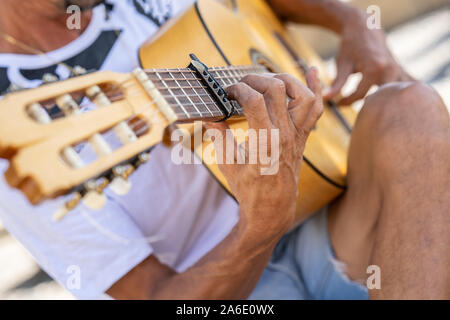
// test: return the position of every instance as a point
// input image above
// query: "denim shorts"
(303, 266)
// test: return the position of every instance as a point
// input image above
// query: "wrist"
(354, 19)
(266, 223)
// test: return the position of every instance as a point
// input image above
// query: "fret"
(239, 73)
(171, 93)
(184, 92)
(233, 73)
(231, 80)
(189, 97)
(198, 95)
(222, 80)
(206, 99)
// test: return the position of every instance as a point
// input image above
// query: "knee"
(402, 119)
(402, 107)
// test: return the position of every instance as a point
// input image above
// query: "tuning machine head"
(14, 88)
(94, 198)
(120, 184)
(91, 195)
(67, 207)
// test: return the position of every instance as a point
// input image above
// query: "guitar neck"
(190, 97)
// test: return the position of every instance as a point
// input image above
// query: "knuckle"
(285, 77)
(248, 78)
(255, 99)
(310, 99)
(319, 109)
(379, 65)
(278, 85)
(302, 134)
(233, 89)
(289, 140)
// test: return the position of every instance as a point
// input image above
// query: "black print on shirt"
(92, 58)
(158, 11)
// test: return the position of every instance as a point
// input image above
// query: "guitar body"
(245, 32)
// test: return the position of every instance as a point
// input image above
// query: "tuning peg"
(38, 113)
(78, 71)
(68, 105)
(67, 207)
(142, 159)
(49, 78)
(94, 198)
(98, 96)
(120, 184)
(14, 88)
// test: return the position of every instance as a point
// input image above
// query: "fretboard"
(189, 97)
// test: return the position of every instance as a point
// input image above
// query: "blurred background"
(418, 34)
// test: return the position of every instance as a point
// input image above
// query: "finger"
(303, 99)
(274, 92)
(314, 84)
(344, 70)
(295, 89)
(253, 104)
(363, 87)
(391, 75)
(397, 74)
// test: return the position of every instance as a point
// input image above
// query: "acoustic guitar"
(231, 39)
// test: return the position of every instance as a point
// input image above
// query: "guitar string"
(162, 87)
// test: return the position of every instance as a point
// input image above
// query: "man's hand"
(365, 51)
(232, 269)
(268, 201)
(362, 50)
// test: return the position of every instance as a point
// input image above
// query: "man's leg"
(396, 211)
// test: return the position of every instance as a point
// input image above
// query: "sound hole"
(259, 58)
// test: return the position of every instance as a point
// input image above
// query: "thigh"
(394, 124)
(353, 217)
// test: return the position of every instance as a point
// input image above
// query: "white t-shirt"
(176, 212)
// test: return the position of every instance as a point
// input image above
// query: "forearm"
(334, 15)
(229, 271)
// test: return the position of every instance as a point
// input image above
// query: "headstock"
(41, 144)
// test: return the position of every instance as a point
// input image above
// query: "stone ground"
(422, 45)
